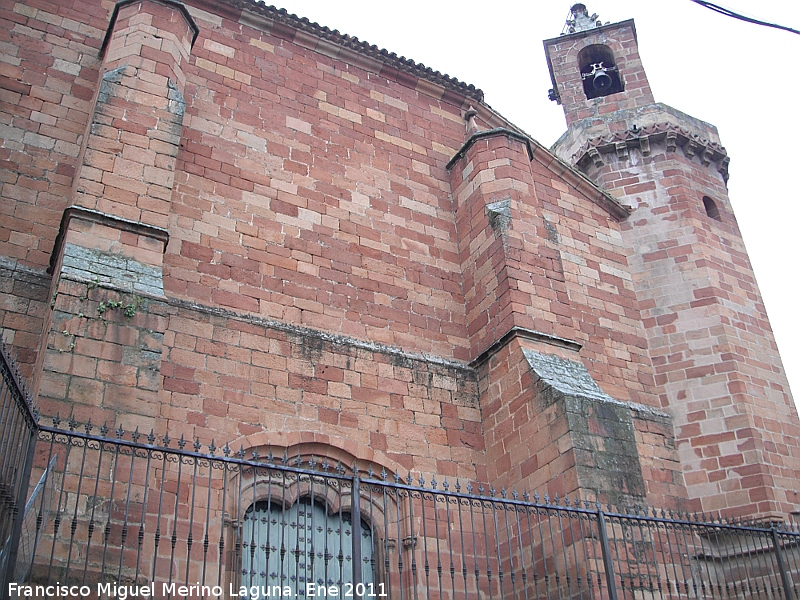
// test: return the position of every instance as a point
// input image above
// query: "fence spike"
(285, 457)
(312, 463)
(433, 482)
(240, 453)
(255, 454)
(526, 496)
(384, 474)
(298, 461)
(197, 445)
(410, 479)
(88, 427)
(370, 472)
(151, 437)
(546, 498)
(56, 420)
(211, 447)
(421, 480)
(104, 430)
(226, 450)
(135, 435)
(514, 494)
(165, 440)
(457, 486)
(503, 492)
(119, 432)
(181, 442)
(445, 485)
(469, 487)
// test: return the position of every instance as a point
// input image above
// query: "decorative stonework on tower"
(717, 366)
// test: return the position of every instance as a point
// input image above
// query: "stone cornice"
(644, 138)
(179, 6)
(94, 216)
(308, 34)
(571, 175)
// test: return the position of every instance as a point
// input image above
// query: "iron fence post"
(356, 518)
(606, 551)
(787, 583)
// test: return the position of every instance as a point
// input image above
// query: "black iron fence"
(18, 430)
(117, 513)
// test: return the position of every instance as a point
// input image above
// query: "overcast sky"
(743, 78)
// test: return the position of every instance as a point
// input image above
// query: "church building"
(230, 225)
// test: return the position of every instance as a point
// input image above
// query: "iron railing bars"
(647, 542)
(574, 544)
(74, 521)
(142, 527)
(124, 532)
(501, 572)
(413, 541)
(283, 549)
(484, 504)
(523, 570)
(424, 535)
(434, 498)
(658, 541)
(398, 543)
(313, 512)
(107, 530)
(21, 421)
(57, 518)
(751, 579)
(355, 518)
(39, 494)
(400, 540)
(539, 512)
(676, 578)
(328, 549)
(585, 535)
(190, 537)
(174, 537)
(206, 541)
(157, 535)
(760, 545)
(567, 570)
(52, 461)
(458, 503)
(553, 549)
(791, 543)
(240, 514)
(268, 544)
(251, 546)
(452, 569)
(606, 550)
(340, 558)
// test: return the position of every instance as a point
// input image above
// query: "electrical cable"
(730, 13)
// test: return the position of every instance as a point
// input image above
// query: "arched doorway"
(300, 545)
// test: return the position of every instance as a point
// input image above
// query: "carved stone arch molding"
(293, 476)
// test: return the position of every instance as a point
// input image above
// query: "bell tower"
(718, 371)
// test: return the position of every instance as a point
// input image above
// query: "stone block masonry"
(223, 222)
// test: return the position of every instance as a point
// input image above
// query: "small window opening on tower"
(599, 72)
(712, 210)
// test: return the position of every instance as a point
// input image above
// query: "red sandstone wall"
(48, 74)
(310, 193)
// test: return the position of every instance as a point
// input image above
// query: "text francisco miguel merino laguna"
(123, 592)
